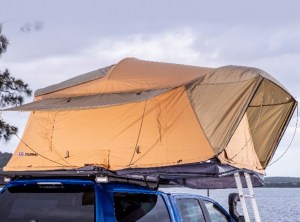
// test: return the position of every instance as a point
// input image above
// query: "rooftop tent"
(138, 114)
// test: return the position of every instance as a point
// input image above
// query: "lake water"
(275, 204)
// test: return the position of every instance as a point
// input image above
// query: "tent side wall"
(220, 100)
(269, 113)
(160, 131)
(258, 134)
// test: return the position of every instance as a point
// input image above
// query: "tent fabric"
(112, 141)
(220, 114)
(87, 77)
(87, 102)
(265, 112)
(141, 114)
(240, 151)
(130, 75)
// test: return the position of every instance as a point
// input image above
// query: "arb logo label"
(27, 154)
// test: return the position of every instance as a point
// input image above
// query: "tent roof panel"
(133, 75)
(87, 77)
(129, 75)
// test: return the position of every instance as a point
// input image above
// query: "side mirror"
(233, 198)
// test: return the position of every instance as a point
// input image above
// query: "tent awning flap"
(87, 102)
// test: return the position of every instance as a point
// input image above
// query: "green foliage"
(12, 92)
(3, 43)
(4, 158)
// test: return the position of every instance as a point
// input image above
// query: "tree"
(12, 92)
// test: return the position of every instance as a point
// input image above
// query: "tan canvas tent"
(141, 114)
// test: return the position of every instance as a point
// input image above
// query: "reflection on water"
(275, 204)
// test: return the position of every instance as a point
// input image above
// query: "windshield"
(47, 202)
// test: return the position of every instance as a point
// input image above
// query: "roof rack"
(202, 176)
(89, 172)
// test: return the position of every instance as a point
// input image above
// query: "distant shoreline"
(282, 182)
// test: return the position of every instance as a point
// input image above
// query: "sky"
(53, 40)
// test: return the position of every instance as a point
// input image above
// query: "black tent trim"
(202, 175)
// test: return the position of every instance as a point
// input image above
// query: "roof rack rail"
(208, 175)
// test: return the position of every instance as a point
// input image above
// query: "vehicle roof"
(111, 186)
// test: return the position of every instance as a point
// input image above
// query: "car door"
(215, 212)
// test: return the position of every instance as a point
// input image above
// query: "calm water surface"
(275, 204)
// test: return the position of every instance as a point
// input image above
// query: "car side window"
(131, 207)
(190, 210)
(216, 215)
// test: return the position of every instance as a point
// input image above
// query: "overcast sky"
(53, 40)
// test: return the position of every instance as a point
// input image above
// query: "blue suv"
(86, 200)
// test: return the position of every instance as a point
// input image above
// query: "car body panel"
(104, 200)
